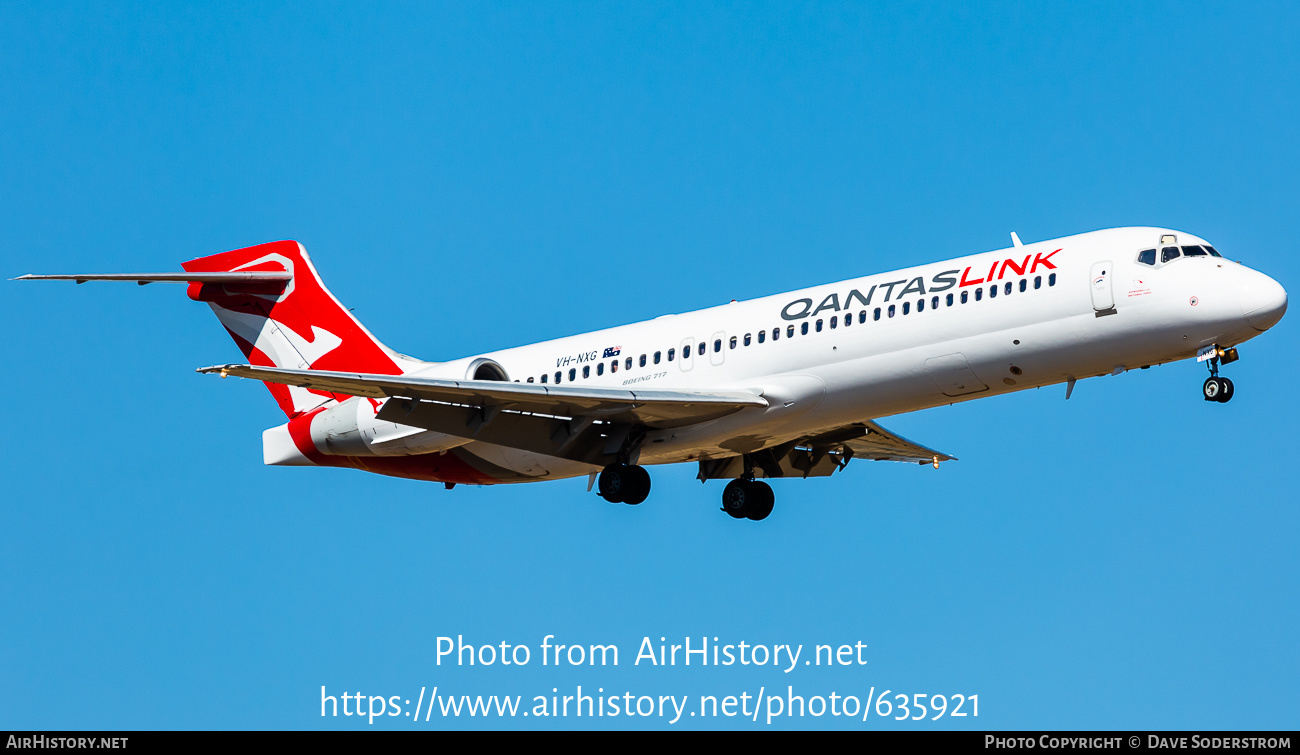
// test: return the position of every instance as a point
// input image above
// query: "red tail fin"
(298, 325)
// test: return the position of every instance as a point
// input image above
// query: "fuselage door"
(718, 348)
(1103, 300)
(953, 376)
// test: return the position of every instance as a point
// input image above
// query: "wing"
(824, 454)
(871, 441)
(652, 409)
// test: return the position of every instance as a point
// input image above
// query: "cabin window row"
(804, 328)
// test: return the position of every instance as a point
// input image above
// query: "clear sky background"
(476, 176)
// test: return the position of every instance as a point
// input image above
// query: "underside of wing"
(878, 444)
(823, 454)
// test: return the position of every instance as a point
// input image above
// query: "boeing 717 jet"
(789, 385)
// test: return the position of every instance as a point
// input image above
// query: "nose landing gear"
(1218, 388)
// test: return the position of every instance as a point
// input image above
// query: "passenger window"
(1051, 279)
(1193, 251)
(1008, 289)
(776, 334)
(948, 300)
(762, 336)
(877, 315)
(979, 294)
(1147, 257)
(717, 345)
(557, 378)
(530, 380)
(586, 371)
(920, 305)
(671, 353)
(702, 348)
(803, 328)
(819, 326)
(628, 364)
(732, 343)
(658, 356)
(993, 290)
(834, 321)
(891, 310)
(600, 369)
(934, 302)
(1038, 281)
(573, 374)
(641, 362)
(543, 378)
(613, 367)
(1168, 253)
(848, 319)
(907, 307)
(862, 317)
(1024, 284)
(965, 296)
(789, 331)
(748, 339)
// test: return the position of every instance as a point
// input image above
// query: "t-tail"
(272, 302)
(299, 325)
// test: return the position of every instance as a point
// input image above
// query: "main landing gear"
(624, 483)
(1219, 388)
(748, 498)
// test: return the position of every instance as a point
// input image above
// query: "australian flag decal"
(612, 351)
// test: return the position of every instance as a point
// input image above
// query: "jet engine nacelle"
(351, 429)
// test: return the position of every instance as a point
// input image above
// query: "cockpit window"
(1147, 257)
(1168, 253)
(1212, 252)
(1193, 251)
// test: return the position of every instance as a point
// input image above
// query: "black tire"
(613, 483)
(1226, 394)
(764, 500)
(736, 499)
(1212, 389)
(638, 485)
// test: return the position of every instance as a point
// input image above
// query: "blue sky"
(475, 176)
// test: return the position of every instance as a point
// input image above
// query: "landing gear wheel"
(638, 485)
(764, 499)
(624, 483)
(1225, 395)
(613, 482)
(1213, 389)
(736, 499)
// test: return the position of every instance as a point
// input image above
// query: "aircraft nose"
(1263, 301)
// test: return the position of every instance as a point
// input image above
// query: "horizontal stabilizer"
(657, 409)
(147, 278)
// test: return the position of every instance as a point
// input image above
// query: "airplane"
(789, 385)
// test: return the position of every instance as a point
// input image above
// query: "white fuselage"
(1063, 309)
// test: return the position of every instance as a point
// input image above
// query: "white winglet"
(1015, 239)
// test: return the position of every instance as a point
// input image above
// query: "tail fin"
(296, 324)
